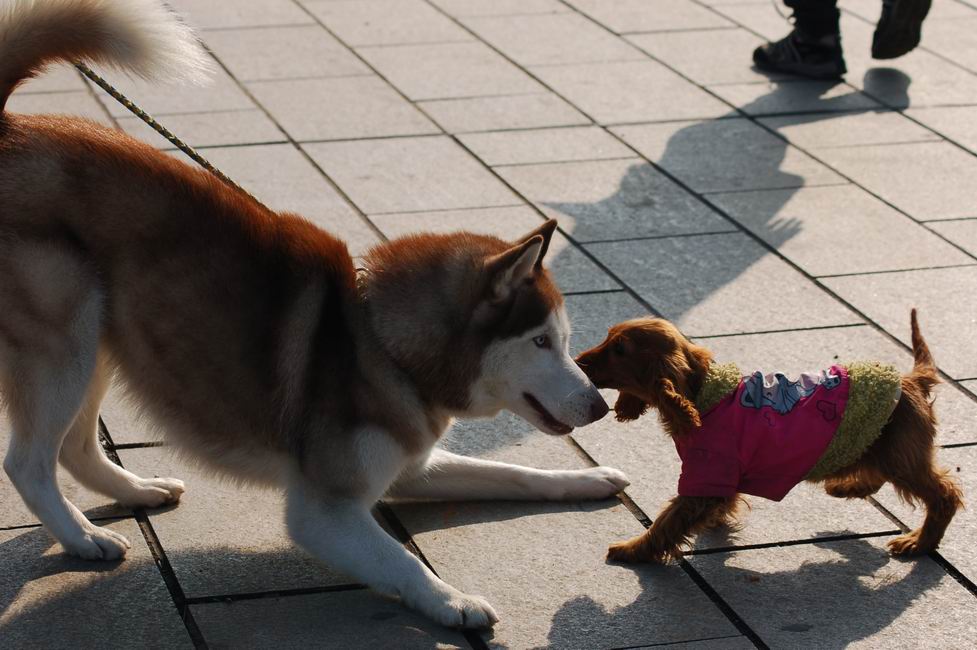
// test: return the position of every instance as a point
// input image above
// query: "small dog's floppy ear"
(513, 266)
(675, 408)
(546, 232)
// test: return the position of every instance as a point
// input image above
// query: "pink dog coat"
(768, 434)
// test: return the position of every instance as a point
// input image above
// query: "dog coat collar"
(762, 434)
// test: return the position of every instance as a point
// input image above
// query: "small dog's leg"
(682, 518)
(856, 485)
(450, 477)
(82, 455)
(343, 534)
(942, 497)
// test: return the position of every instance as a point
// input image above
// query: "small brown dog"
(653, 365)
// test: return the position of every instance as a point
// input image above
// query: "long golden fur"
(654, 366)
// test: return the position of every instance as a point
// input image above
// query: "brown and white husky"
(249, 334)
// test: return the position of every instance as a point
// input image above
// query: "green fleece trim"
(873, 392)
(721, 380)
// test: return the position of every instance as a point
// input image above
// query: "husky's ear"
(510, 268)
(546, 232)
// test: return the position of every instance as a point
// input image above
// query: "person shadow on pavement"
(827, 603)
(728, 152)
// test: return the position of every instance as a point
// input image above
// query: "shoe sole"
(904, 30)
(826, 71)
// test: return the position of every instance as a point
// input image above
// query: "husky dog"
(249, 334)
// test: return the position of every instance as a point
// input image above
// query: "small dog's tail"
(924, 368)
(141, 37)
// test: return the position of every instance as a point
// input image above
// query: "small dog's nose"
(598, 410)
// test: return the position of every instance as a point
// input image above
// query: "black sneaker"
(899, 26)
(797, 53)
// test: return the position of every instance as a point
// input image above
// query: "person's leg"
(812, 49)
(899, 28)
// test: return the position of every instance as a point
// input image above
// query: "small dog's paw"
(592, 483)
(98, 544)
(907, 545)
(634, 551)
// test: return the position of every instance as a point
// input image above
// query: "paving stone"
(928, 180)
(446, 70)
(13, 511)
(78, 103)
(345, 619)
(692, 54)
(572, 269)
(220, 93)
(542, 39)
(592, 314)
(124, 419)
(250, 13)
(835, 230)
(224, 538)
(955, 122)
(545, 146)
(346, 107)
(961, 536)
(624, 16)
(410, 174)
(717, 284)
(951, 332)
(760, 17)
(819, 130)
(386, 22)
(208, 129)
(461, 8)
(59, 77)
(613, 199)
(919, 78)
(970, 385)
(963, 233)
(847, 594)
(567, 596)
(726, 155)
(630, 91)
(284, 179)
(814, 349)
(52, 600)
(283, 53)
(949, 38)
(771, 98)
(507, 112)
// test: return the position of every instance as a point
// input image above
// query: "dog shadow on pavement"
(842, 593)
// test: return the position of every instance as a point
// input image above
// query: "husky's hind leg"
(82, 455)
(49, 333)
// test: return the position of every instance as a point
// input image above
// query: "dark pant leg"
(815, 17)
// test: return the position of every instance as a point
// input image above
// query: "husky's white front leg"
(343, 534)
(450, 477)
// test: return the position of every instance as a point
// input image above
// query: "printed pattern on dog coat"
(768, 432)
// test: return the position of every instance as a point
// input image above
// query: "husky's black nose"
(598, 410)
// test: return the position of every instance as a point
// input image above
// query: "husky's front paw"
(592, 483)
(97, 544)
(456, 609)
(155, 492)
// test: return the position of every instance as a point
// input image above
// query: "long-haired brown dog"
(653, 365)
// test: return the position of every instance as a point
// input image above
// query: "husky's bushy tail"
(141, 37)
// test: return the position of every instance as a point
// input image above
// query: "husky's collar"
(721, 379)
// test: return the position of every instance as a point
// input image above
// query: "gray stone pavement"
(783, 223)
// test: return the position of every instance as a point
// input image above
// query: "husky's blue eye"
(542, 341)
